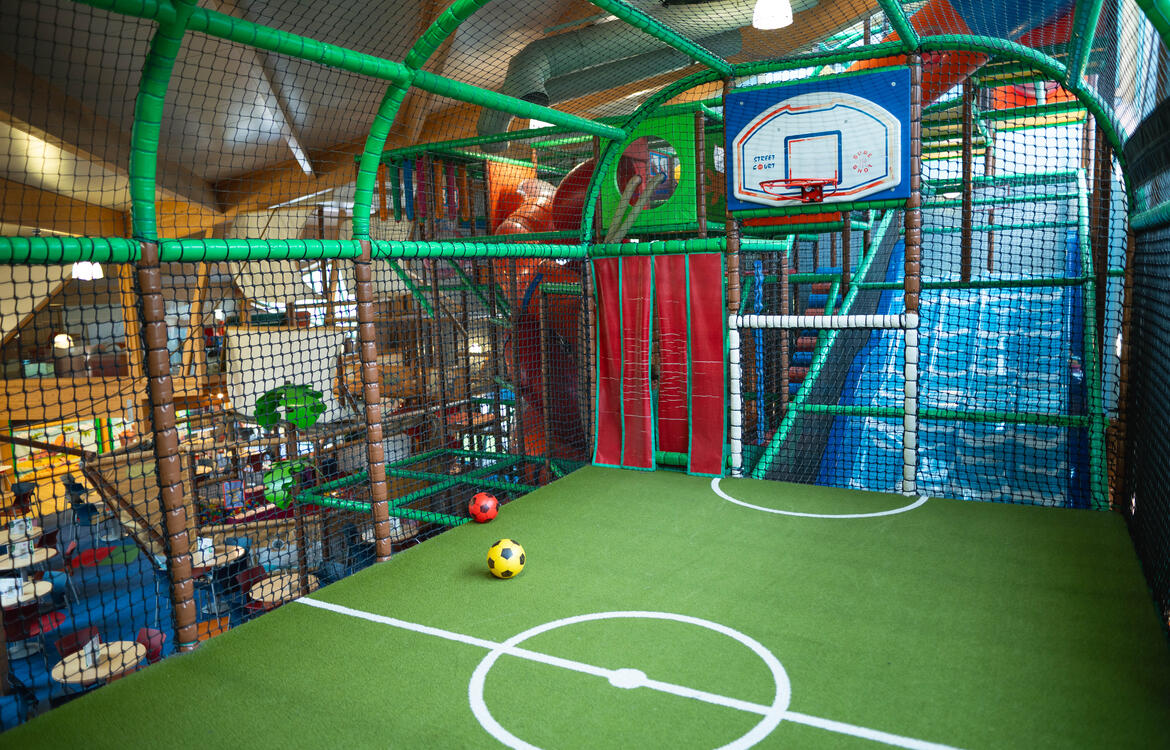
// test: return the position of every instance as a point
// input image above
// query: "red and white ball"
(483, 507)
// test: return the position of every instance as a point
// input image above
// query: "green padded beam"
(907, 36)
(655, 28)
(148, 113)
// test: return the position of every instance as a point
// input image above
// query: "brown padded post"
(372, 401)
(166, 448)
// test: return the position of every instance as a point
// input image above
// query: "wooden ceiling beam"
(32, 207)
(31, 104)
(280, 183)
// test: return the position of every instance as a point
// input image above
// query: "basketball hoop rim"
(806, 184)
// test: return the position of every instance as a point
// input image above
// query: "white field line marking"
(523, 653)
(869, 734)
(718, 491)
(665, 687)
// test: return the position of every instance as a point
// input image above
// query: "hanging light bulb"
(772, 14)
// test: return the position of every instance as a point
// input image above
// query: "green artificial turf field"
(956, 623)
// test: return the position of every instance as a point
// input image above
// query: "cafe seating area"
(83, 613)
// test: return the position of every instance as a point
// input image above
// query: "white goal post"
(907, 322)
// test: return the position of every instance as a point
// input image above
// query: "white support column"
(910, 418)
(736, 396)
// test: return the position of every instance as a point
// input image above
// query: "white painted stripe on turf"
(553, 661)
(864, 733)
(719, 491)
(384, 620)
(664, 687)
(703, 695)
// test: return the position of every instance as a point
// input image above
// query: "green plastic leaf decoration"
(266, 415)
(302, 406)
(280, 481)
(305, 416)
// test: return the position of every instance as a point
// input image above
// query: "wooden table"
(6, 537)
(280, 588)
(114, 659)
(39, 556)
(224, 554)
(29, 592)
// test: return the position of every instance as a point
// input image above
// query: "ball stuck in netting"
(505, 558)
(483, 507)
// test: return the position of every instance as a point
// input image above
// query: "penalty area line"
(715, 482)
(614, 676)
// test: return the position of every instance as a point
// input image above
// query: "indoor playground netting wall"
(490, 307)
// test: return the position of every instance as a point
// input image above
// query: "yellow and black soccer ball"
(505, 558)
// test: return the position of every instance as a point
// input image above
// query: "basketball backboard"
(822, 141)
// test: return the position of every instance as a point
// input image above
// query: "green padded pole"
(659, 247)
(671, 459)
(157, 10)
(565, 289)
(1009, 180)
(832, 57)
(1000, 227)
(655, 28)
(1002, 201)
(420, 52)
(213, 251)
(1158, 11)
(465, 92)
(1041, 283)
(148, 113)
(1153, 218)
(819, 208)
(901, 24)
(53, 250)
(451, 249)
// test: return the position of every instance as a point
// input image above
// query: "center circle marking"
(628, 678)
(719, 491)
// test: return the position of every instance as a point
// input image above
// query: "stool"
(83, 513)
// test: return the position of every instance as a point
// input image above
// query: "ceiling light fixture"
(772, 14)
(86, 271)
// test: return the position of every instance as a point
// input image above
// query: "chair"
(25, 623)
(68, 644)
(84, 513)
(26, 699)
(153, 640)
(22, 498)
(18, 626)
